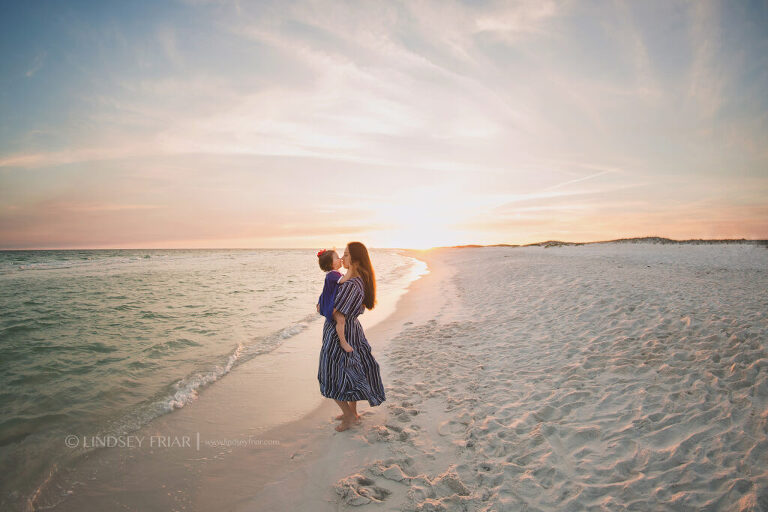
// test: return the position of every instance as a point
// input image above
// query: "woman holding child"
(348, 372)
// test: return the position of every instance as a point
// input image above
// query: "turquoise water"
(102, 341)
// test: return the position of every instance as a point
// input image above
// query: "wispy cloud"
(577, 180)
(36, 65)
(55, 158)
(625, 30)
(706, 76)
(104, 207)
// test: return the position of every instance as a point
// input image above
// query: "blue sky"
(308, 124)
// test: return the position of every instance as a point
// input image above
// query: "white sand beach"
(596, 377)
(601, 377)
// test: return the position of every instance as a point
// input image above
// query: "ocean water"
(101, 342)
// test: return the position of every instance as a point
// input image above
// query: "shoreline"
(297, 407)
(301, 474)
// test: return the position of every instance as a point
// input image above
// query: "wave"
(187, 389)
(68, 261)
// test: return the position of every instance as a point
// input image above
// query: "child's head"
(328, 260)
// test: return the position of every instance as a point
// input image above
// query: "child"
(329, 262)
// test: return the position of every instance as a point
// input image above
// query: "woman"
(348, 371)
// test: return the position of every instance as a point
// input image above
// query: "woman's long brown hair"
(359, 254)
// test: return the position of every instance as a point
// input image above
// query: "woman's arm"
(341, 322)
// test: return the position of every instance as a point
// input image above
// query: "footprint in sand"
(378, 434)
(450, 427)
(391, 469)
(403, 415)
(360, 490)
(300, 454)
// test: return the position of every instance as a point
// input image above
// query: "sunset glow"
(399, 124)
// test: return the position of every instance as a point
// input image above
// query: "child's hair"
(325, 259)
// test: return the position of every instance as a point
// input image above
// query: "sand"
(573, 378)
(606, 377)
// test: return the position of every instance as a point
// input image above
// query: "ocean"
(100, 342)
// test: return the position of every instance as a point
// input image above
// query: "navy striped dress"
(349, 376)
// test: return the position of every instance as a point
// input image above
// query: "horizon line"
(551, 241)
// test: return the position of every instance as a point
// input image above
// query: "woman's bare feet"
(344, 425)
(341, 417)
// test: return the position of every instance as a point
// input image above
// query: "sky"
(149, 124)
